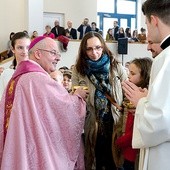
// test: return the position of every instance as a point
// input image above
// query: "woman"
(48, 32)
(34, 35)
(98, 69)
(9, 51)
(135, 36)
(121, 33)
(20, 43)
(109, 35)
(128, 33)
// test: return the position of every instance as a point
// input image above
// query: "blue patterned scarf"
(98, 73)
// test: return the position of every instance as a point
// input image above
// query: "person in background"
(151, 133)
(45, 133)
(20, 43)
(142, 35)
(128, 33)
(135, 36)
(109, 35)
(70, 32)
(127, 67)
(97, 69)
(48, 32)
(84, 28)
(67, 80)
(57, 30)
(139, 74)
(94, 27)
(1, 70)
(72, 67)
(120, 33)
(115, 30)
(127, 64)
(9, 47)
(34, 35)
(63, 68)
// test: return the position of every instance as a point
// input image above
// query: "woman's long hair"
(81, 64)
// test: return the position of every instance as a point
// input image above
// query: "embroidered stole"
(23, 68)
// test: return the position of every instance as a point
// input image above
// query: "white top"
(4, 79)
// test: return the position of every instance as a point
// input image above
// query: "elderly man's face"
(69, 24)
(50, 56)
(86, 21)
(56, 23)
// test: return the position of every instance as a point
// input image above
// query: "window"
(124, 11)
(130, 7)
(105, 6)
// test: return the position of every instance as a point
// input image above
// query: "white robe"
(152, 118)
(4, 79)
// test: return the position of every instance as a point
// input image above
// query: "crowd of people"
(112, 34)
(72, 33)
(65, 34)
(94, 115)
(119, 32)
(69, 31)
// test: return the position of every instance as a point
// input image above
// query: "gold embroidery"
(11, 87)
(8, 112)
(9, 103)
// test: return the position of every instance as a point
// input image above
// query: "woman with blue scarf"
(97, 68)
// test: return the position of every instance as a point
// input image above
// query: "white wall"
(13, 18)
(74, 10)
(27, 15)
(35, 16)
(135, 50)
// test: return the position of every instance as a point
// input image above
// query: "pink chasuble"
(45, 123)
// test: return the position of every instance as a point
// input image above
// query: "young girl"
(139, 74)
(67, 80)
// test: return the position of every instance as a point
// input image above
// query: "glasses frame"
(52, 52)
(96, 48)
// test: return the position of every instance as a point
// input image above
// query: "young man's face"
(154, 48)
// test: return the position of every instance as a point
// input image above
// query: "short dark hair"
(93, 23)
(160, 8)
